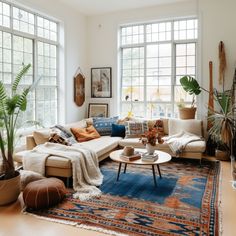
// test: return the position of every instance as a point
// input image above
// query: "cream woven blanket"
(179, 141)
(85, 168)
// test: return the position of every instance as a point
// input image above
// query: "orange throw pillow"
(85, 134)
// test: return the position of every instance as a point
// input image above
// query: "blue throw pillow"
(118, 131)
(104, 125)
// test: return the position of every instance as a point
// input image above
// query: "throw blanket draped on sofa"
(85, 168)
(179, 141)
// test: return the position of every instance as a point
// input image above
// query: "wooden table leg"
(118, 174)
(159, 171)
(154, 175)
(125, 168)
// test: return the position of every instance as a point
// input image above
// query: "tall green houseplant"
(11, 105)
(222, 119)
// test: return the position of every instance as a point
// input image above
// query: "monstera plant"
(12, 104)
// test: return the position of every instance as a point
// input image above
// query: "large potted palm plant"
(221, 118)
(12, 104)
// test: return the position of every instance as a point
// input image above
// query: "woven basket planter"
(187, 113)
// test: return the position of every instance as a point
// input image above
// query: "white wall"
(217, 19)
(74, 45)
(218, 24)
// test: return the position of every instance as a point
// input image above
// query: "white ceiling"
(92, 7)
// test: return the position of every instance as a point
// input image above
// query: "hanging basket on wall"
(187, 113)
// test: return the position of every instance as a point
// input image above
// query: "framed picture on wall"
(101, 82)
(98, 110)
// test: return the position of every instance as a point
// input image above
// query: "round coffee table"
(163, 157)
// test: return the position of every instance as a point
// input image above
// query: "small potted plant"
(11, 106)
(191, 86)
(149, 139)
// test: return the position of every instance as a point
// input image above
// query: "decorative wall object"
(98, 110)
(79, 88)
(101, 82)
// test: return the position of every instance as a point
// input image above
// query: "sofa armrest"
(30, 143)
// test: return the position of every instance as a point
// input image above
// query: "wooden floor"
(13, 223)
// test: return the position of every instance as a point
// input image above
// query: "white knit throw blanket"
(179, 141)
(85, 168)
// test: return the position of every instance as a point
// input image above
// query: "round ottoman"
(44, 193)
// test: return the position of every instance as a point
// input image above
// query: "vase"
(150, 149)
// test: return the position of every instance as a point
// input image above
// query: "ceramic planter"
(10, 190)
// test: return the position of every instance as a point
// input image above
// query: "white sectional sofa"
(103, 146)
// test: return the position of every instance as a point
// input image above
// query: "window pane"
(132, 34)
(164, 61)
(46, 28)
(16, 50)
(156, 110)
(4, 14)
(23, 20)
(185, 29)
(159, 32)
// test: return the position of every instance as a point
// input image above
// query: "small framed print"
(98, 110)
(101, 82)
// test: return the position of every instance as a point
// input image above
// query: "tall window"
(153, 58)
(26, 37)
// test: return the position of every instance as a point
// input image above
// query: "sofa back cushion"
(135, 129)
(41, 136)
(79, 124)
(191, 126)
(85, 134)
(104, 125)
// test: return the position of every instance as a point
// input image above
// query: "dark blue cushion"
(104, 125)
(118, 131)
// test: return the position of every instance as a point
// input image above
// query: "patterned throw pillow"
(64, 133)
(160, 127)
(56, 138)
(104, 125)
(85, 134)
(135, 129)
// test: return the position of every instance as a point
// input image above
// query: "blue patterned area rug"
(184, 202)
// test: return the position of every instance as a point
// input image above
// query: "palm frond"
(22, 101)
(19, 76)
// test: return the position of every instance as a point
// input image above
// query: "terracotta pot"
(222, 155)
(10, 190)
(150, 149)
(187, 113)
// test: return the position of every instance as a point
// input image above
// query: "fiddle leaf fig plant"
(11, 105)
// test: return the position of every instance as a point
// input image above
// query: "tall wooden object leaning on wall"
(79, 89)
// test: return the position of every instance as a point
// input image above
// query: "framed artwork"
(101, 82)
(98, 110)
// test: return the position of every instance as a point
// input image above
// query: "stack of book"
(149, 158)
(133, 157)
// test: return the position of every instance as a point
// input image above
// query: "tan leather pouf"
(44, 193)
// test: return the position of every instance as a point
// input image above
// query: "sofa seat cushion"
(102, 145)
(197, 146)
(52, 161)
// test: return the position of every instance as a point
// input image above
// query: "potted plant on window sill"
(11, 106)
(187, 112)
(191, 86)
